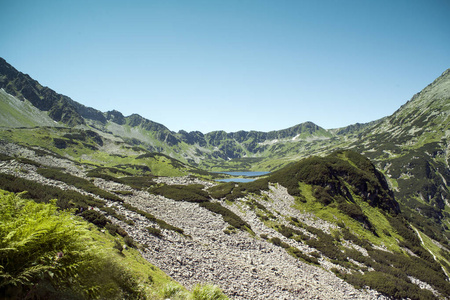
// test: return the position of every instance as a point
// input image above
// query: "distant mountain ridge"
(70, 113)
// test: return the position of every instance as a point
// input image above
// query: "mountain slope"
(16, 113)
(411, 147)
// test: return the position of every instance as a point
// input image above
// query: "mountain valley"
(359, 212)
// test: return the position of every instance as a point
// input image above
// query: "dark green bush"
(300, 255)
(60, 143)
(347, 235)
(114, 229)
(124, 193)
(95, 217)
(221, 190)
(4, 157)
(28, 161)
(138, 182)
(78, 182)
(189, 193)
(276, 241)
(129, 241)
(154, 231)
(152, 218)
(44, 193)
(389, 285)
(167, 226)
(228, 216)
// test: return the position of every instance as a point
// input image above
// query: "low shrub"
(138, 182)
(228, 216)
(114, 229)
(27, 161)
(152, 218)
(95, 217)
(4, 157)
(221, 190)
(129, 241)
(154, 231)
(300, 255)
(188, 193)
(78, 182)
(276, 241)
(389, 285)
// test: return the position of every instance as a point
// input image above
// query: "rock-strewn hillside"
(291, 246)
(245, 266)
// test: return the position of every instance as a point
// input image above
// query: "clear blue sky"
(235, 64)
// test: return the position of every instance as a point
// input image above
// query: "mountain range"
(367, 202)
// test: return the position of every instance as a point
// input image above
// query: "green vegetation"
(78, 182)
(188, 193)
(228, 216)
(232, 191)
(152, 218)
(44, 193)
(69, 199)
(46, 253)
(332, 176)
(389, 285)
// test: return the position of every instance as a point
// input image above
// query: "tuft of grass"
(207, 292)
(173, 290)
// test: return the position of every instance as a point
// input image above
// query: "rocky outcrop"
(116, 117)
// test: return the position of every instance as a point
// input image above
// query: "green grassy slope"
(17, 113)
(89, 147)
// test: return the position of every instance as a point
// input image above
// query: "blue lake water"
(244, 173)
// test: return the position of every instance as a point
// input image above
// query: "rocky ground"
(243, 265)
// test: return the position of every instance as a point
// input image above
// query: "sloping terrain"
(16, 113)
(411, 147)
(259, 240)
(327, 223)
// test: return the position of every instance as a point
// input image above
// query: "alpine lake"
(244, 176)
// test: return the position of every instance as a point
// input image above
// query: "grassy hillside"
(21, 113)
(99, 150)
